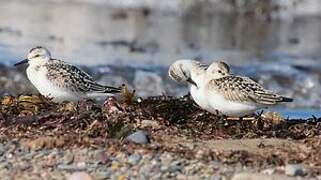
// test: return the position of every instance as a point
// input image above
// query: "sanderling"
(215, 89)
(59, 80)
(191, 72)
(236, 95)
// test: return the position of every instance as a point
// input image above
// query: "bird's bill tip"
(21, 62)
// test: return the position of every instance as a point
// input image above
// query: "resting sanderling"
(216, 89)
(191, 72)
(59, 80)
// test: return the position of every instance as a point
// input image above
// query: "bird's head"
(184, 70)
(218, 69)
(36, 56)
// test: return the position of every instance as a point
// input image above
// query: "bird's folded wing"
(242, 89)
(68, 76)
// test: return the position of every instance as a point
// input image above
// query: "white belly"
(39, 79)
(198, 96)
(229, 108)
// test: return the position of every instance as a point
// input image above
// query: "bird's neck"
(198, 76)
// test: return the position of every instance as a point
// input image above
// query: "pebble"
(24, 166)
(294, 170)
(68, 158)
(77, 167)
(175, 166)
(181, 177)
(103, 175)
(6, 165)
(79, 176)
(145, 171)
(268, 171)
(164, 168)
(101, 157)
(216, 164)
(149, 123)
(139, 137)
(200, 154)
(87, 164)
(216, 177)
(2, 149)
(134, 159)
(256, 176)
(81, 165)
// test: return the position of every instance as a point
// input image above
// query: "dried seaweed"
(173, 116)
(42, 123)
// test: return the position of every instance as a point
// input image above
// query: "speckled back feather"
(70, 77)
(243, 89)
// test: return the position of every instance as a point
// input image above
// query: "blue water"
(299, 113)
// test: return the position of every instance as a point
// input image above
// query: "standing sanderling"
(218, 90)
(59, 80)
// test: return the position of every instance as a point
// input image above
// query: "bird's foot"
(222, 119)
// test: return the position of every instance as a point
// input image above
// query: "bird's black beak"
(191, 81)
(21, 62)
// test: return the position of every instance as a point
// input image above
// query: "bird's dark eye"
(37, 55)
(219, 71)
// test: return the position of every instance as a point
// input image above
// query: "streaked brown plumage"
(59, 80)
(68, 76)
(245, 90)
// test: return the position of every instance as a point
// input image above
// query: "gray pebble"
(164, 168)
(174, 168)
(2, 150)
(101, 156)
(71, 167)
(134, 159)
(6, 165)
(68, 158)
(139, 137)
(103, 175)
(294, 170)
(145, 172)
(24, 166)
(216, 177)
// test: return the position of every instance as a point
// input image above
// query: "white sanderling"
(191, 72)
(218, 90)
(59, 80)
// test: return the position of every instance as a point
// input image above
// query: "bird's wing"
(68, 76)
(243, 89)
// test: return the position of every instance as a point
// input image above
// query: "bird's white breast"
(199, 97)
(38, 77)
(213, 101)
(216, 101)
